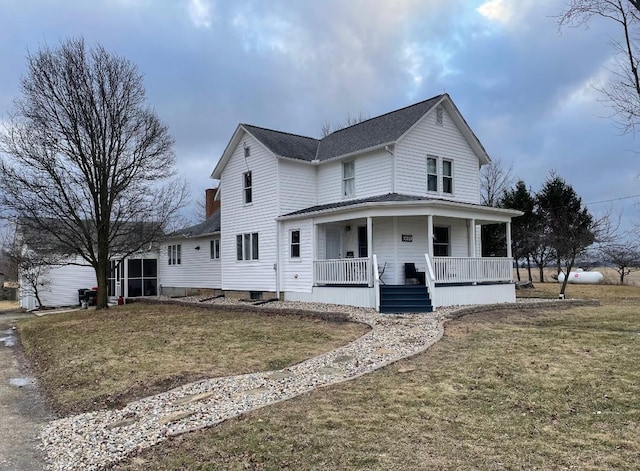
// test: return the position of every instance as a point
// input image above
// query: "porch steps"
(404, 298)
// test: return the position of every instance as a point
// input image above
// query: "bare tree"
(88, 163)
(495, 179)
(623, 91)
(625, 257)
(350, 120)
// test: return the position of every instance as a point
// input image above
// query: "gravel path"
(97, 439)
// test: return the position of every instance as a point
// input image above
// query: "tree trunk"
(529, 267)
(102, 268)
(517, 268)
(541, 267)
(566, 278)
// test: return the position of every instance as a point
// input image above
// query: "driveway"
(22, 410)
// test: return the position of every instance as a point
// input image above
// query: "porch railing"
(472, 270)
(342, 271)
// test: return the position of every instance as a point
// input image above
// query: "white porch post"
(430, 237)
(315, 251)
(471, 233)
(370, 249)
(508, 230)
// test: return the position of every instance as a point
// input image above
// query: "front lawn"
(88, 360)
(534, 389)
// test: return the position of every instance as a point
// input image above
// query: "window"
(247, 151)
(295, 244)
(247, 246)
(142, 277)
(348, 178)
(214, 249)
(173, 254)
(439, 115)
(432, 174)
(447, 176)
(441, 241)
(248, 196)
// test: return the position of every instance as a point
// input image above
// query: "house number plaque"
(407, 238)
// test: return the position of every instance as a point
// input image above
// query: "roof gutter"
(390, 204)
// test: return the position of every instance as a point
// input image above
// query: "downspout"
(393, 168)
(276, 266)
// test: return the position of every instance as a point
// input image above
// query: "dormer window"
(247, 187)
(348, 179)
(439, 115)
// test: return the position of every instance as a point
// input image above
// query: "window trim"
(429, 174)
(441, 244)
(352, 191)
(174, 254)
(214, 249)
(293, 244)
(450, 177)
(247, 247)
(247, 190)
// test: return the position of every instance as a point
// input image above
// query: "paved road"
(22, 410)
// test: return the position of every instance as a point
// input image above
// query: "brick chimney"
(211, 205)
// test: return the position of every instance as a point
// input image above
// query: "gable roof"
(372, 133)
(284, 144)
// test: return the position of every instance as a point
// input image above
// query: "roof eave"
(434, 203)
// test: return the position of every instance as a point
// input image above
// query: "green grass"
(87, 360)
(532, 389)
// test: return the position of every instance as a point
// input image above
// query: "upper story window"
(447, 176)
(247, 187)
(295, 244)
(441, 242)
(247, 246)
(214, 249)
(348, 178)
(439, 175)
(247, 151)
(174, 256)
(439, 115)
(432, 174)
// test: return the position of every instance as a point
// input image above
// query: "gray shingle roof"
(370, 133)
(211, 224)
(389, 197)
(285, 144)
(373, 132)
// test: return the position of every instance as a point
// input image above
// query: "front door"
(333, 243)
(363, 242)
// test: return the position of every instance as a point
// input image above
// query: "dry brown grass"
(8, 305)
(611, 277)
(534, 389)
(87, 360)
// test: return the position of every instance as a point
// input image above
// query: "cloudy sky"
(525, 89)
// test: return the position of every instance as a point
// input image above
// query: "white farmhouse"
(384, 214)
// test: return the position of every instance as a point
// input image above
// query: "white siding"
(372, 177)
(479, 294)
(259, 216)
(297, 273)
(61, 285)
(446, 142)
(196, 270)
(297, 186)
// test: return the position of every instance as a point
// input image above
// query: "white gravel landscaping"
(97, 439)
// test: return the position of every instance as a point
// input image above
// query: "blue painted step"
(404, 298)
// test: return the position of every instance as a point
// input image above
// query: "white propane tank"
(583, 277)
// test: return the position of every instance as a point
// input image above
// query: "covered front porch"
(435, 245)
